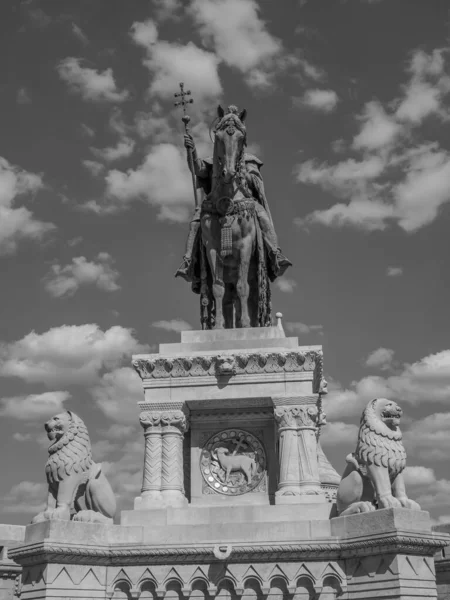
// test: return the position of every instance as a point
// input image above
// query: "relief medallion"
(233, 462)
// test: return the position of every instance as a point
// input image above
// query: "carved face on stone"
(57, 426)
(388, 411)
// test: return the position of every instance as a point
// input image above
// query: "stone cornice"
(325, 549)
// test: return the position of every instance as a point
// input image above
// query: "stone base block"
(386, 554)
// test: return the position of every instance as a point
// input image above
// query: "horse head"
(229, 144)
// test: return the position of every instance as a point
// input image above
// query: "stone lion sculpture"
(76, 484)
(373, 476)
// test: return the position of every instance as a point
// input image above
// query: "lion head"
(70, 448)
(380, 438)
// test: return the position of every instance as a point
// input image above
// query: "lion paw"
(357, 508)
(388, 502)
(91, 516)
(61, 513)
(407, 503)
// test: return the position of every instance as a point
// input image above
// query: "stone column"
(299, 470)
(174, 425)
(151, 482)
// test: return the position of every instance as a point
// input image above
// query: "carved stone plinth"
(162, 483)
(299, 477)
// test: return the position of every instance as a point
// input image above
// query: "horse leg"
(242, 285)
(218, 286)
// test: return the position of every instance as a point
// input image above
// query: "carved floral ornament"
(159, 367)
(167, 418)
(297, 417)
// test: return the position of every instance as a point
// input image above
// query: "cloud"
(239, 37)
(302, 329)
(123, 149)
(428, 438)
(90, 84)
(380, 359)
(39, 18)
(33, 407)
(394, 271)
(390, 180)
(169, 63)
(70, 354)
(428, 379)
(79, 34)
(176, 325)
(94, 167)
(285, 284)
(162, 180)
(18, 223)
(167, 9)
(378, 130)
(429, 491)
(118, 393)
(321, 100)
(338, 433)
(65, 281)
(25, 497)
(23, 96)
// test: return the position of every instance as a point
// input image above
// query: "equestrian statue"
(232, 249)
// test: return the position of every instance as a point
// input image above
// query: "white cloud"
(380, 359)
(70, 354)
(90, 84)
(118, 393)
(22, 437)
(321, 100)
(94, 167)
(25, 497)
(167, 9)
(428, 438)
(123, 149)
(163, 180)
(33, 407)
(338, 432)
(418, 475)
(170, 63)
(394, 271)
(79, 34)
(176, 325)
(23, 96)
(286, 285)
(65, 281)
(302, 328)
(18, 223)
(428, 380)
(378, 130)
(234, 29)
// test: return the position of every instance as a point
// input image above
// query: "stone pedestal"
(233, 552)
(250, 397)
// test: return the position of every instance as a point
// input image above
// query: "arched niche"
(121, 591)
(148, 590)
(252, 589)
(331, 588)
(199, 591)
(173, 590)
(278, 589)
(226, 591)
(304, 590)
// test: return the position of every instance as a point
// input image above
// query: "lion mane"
(71, 453)
(378, 444)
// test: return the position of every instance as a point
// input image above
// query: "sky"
(348, 108)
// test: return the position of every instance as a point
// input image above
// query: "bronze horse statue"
(229, 229)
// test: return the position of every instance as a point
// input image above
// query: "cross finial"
(183, 102)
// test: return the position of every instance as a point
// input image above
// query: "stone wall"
(10, 537)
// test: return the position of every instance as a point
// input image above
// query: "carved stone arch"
(121, 590)
(305, 588)
(174, 589)
(332, 587)
(253, 588)
(199, 589)
(148, 589)
(226, 589)
(279, 588)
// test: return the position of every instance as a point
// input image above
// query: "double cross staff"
(186, 118)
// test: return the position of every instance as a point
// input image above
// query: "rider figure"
(203, 171)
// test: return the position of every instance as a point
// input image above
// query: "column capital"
(296, 417)
(166, 418)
